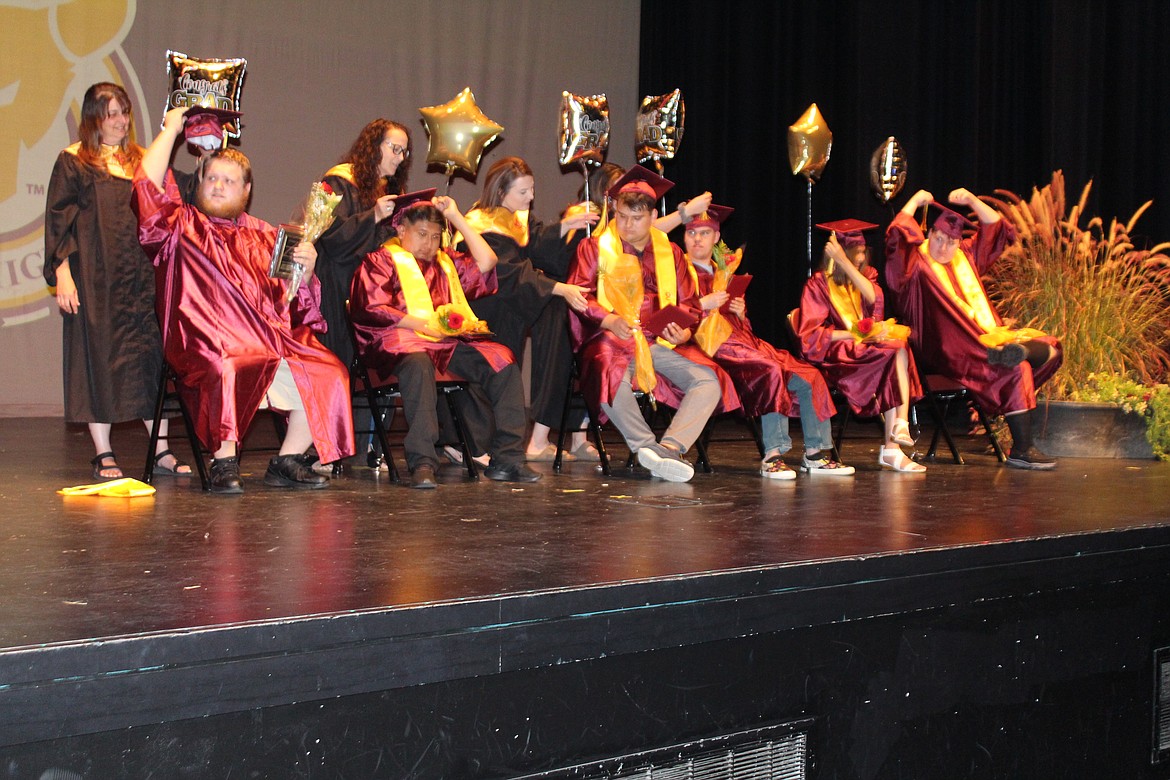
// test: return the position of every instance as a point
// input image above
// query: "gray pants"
(701, 394)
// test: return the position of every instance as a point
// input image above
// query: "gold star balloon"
(809, 144)
(458, 132)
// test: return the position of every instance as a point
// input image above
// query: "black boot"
(1024, 454)
(291, 471)
(225, 476)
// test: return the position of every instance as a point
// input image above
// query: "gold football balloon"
(887, 169)
(458, 132)
(658, 127)
(809, 144)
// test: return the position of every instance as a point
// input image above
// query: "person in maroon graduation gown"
(936, 285)
(772, 384)
(105, 288)
(231, 336)
(606, 341)
(876, 374)
(397, 291)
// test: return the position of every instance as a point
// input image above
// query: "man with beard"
(235, 342)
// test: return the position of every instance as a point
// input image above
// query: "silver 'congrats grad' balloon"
(584, 128)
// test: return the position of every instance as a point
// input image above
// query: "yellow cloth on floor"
(126, 487)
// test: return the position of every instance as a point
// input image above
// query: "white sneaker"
(665, 463)
(825, 466)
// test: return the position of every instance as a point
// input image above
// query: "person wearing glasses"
(956, 331)
(369, 178)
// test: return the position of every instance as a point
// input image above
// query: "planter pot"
(1082, 430)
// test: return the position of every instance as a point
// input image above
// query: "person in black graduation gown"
(104, 283)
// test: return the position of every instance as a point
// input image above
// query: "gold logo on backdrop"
(53, 50)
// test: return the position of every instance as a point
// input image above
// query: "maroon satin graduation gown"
(603, 358)
(377, 305)
(944, 338)
(760, 371)
(865, 373)
(226, 325)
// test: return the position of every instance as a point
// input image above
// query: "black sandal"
(98, 468)
(160, 469)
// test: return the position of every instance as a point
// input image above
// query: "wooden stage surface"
(92, 588)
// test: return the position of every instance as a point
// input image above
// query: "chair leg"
(159, 402)
(188, 424)
(757, 435)
(995, 445)
(461, 428)
(380, 431)
(846, 416)
(561, 433)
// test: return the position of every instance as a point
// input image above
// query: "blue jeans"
(818, 434)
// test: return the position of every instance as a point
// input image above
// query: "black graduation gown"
(112, 350)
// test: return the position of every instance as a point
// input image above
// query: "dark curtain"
(986, 95)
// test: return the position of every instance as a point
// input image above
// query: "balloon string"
(585, 173)
(448, 173)
(810, 226)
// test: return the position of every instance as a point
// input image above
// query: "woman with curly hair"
(104, 282)
(370, 176)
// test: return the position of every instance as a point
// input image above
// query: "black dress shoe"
(291, 471)
(517, 472)
(1031, 459)
(1007, 356)
(423, 477)
(225, 476)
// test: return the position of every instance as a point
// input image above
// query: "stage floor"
(84, 568)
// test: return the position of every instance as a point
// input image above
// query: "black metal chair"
(169, 400)
(939, 389)
(383, 394)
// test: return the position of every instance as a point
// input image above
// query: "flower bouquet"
(450, 320)
(316, 219)
(715, 328)
(869, 329)
(622, 284)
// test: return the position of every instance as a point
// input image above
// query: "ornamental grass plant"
(1105, 299)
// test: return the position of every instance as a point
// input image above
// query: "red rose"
(455, 320)
(325, 186)
(865, 326)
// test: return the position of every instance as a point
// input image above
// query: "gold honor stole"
(975, 306)
(714, 330)
(609, 249)
(498, 219)
(414, 286)
(342, 171)
(109, 154)
(846, 300)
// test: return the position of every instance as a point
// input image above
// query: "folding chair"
(382, 394)
(168, 399)
(938, 388)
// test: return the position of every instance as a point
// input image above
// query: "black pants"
(416, 381)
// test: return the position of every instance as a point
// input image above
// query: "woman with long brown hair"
(104, 283)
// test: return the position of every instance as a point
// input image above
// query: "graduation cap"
(643, 180)
(849, 231)
(203, 126)
(949, 222)
(713, 217)
(409, 199)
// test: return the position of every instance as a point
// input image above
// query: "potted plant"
(1108, 302)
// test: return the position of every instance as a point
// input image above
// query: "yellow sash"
(846, 300)
(109, 154)
(975, 306)
(609, 249)
(414, 285)
(499, 219)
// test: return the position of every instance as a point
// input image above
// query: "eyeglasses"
(402, 151)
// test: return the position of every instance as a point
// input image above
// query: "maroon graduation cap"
(409, 199)
(713, 217)
(950, 222)
(849, 231)
(639, 179)
(203, 126)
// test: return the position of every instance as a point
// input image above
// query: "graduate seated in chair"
(632, 271)
(232, 336)
(411, 318)
(843, 331)
(772, 384)
(956, 330)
